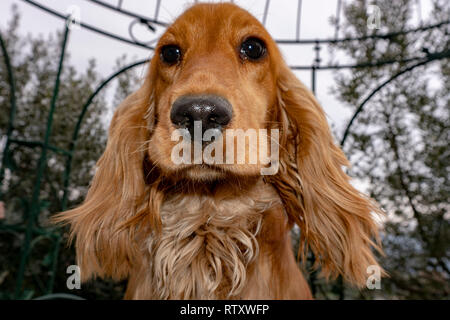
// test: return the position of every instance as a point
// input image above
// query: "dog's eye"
(171, 54)
(252, 49)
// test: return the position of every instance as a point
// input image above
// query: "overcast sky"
(281, 23)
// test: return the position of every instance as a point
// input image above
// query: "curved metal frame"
(87, 26)
(430, 58)
(33, 233)
(317, 42)
(132, 14)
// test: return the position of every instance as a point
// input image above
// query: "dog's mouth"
(233, 152)
(205, 171)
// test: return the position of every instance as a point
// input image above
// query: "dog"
(221, 230)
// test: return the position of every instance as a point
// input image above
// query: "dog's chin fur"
(204, 173)
(207, 243)
(198, 174)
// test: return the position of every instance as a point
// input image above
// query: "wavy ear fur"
(335, 219)
(105, 245)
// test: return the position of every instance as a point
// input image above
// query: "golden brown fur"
(190, 231)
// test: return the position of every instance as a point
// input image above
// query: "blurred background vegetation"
(398, 149)
(399, 146)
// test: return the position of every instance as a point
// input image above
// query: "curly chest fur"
(207, 245)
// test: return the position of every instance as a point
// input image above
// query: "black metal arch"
(87, 26)
(132, 14)
(148, 22)
(431, 57)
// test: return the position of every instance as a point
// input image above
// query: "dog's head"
(217, 69)
(214, 77)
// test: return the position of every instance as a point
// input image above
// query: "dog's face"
(214, 67)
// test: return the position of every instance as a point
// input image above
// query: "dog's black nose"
(211, 111)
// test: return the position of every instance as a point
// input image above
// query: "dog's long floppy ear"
(335, 219)
(117, 194)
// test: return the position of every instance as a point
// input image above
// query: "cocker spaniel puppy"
(180, 229)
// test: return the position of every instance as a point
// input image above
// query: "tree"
(35, 64)
(399, 144)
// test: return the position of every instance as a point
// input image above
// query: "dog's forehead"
(214, 20)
